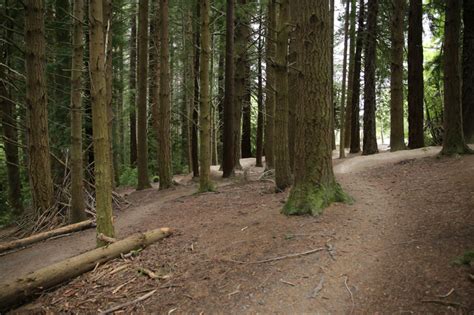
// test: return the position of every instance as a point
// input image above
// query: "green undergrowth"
(466, 258)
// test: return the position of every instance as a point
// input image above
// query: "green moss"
(312, 199)
(466, 258)
(206, 187)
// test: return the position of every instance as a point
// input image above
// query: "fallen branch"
(352, 296)
(120, 306)
(277, 258)
(19, 290)
(45, 235)
(106, 238)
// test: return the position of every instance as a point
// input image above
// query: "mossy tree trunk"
(261, 113)
(270, 85)
(101, 139)
(370, 132)
(315, 186)
(468, 71)
(39, 163)
(142, 80)
(164, 149)
(195, 105)
(415, 75)
(228, 152)
(205, 110)
(154, 69)
(132, 85)
(280, 139)
(397, 132)
(355, 124)
(453, 140)
(77, 212)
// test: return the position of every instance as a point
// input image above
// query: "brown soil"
(392, 250)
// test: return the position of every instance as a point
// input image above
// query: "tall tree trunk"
(468, 71)
(415, 75)
(270, 85)
(133, 85)
(246, 142)
(190, 84)
(8, 120)
(315, 186)
(220, 96)
(342, 151)
(187, 28)
(453, 140)
(205, 113)
(397, 133)
(100, 122)
(142, 78)
(282, 158)
(77, 213)
(260, 115)
(107, 11)
(370, 131)
(333, 112)
(195, 105)
(350, 82)
(293, 88)
(39, 163)
(355, 127)
(228, 152)
(154, 72)
(164, 150)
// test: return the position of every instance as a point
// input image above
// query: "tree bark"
(342, 151)
(164, 149)
(261, 113)
(101, 139)
(205, 183)
(39, 163)
(282, 158)
(133, 85)
(195, 105)
(355, 125)
(350, 82)
(9, 122)
(370, 132)
(415, 75)
(397, 132)
(154, 72)
(77, 212)
(270, 85)
(468, 71)
(142, 78)
(293, 88)
(315, 186)
(453, 140)
(228, 153)
(23, 288)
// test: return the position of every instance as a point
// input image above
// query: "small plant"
(129, 177)
(466, 258)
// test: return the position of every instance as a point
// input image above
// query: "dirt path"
(392, 249)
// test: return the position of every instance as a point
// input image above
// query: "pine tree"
(370, 132)
(468, 71)
(270, 85)
(315, 186)
(39, 163)
(397, 133)
(132, 85)
(342, 152)
(77, 213)
(101, 139)
(350, 82)
(453, 140)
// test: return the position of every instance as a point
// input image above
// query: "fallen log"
(16, 291)
(45, 235)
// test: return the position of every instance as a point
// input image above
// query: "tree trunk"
(101, 139)
(22, 288)
(453, 140)
(282, 158)
(342, 151)
(39, 164)
(133, 85)
(468, 71)
(195, 105)
(77, 212)
(315, 186)
(164, 150)
(293, 88)
(205, 112)
(270, 85)
(355, 128)
(397, 133)
(246, 138)
(370, 131)
(228, 154)
(142, 79)
(261, 113)
(415, 75)
(190, 84)
(9, 122)
(350, 82)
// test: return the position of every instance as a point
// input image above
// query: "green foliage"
(129, 176)
(466, 258)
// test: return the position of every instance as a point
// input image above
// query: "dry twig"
(350, 292)
(277, 258)
(120, 306)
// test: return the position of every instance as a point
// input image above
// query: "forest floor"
(391, 251)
